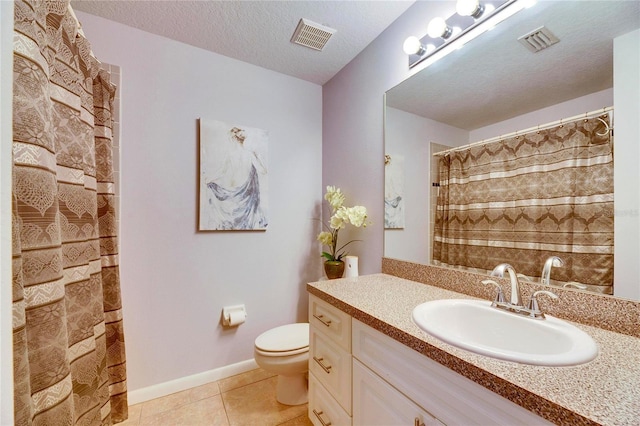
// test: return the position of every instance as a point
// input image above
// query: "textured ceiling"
(259, 32)
(495, 78)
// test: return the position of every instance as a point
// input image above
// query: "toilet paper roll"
(351, 263)
(236, 318)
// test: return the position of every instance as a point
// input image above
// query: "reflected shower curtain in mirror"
(68, 340)
(523, 199)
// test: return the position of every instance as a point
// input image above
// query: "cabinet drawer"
(376, 403)
(323, 408)
(449, 396)
(330, 321)
(331, 365)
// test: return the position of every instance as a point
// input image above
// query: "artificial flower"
(340, 217)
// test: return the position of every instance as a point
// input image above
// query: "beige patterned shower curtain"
(69, 355)
(523, 199)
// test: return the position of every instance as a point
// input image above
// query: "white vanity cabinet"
(360, 376)
(329, 364)
(427, 390)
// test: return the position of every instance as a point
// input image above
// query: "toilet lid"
(284, 338)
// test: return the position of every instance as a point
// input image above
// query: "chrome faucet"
(532, 310)
(545, 279)
(515, 298)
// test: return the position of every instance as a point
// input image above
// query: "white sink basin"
(478, 327)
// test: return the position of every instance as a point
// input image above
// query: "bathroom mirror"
(492, 86)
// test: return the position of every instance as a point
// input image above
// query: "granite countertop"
(603, 391)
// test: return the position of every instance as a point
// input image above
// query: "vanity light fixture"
(413, 46)
(438, 28)
(470, 8)
(473, 17)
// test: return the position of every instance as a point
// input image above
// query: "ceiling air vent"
(538, 39)
(310, 34)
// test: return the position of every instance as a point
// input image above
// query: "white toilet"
(284, 351)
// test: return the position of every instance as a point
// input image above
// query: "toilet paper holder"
(233, 315)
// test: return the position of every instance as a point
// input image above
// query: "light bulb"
(438, 28)
(412, 46)
(467, 7)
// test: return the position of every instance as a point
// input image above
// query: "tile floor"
(245, 399)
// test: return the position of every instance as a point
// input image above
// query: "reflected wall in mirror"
(495, 86)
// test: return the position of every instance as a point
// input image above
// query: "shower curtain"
(523, 199)
(68, 340)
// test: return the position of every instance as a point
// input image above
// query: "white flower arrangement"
(340, 217)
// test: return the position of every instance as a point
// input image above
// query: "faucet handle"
(500, 296)
(533, 303)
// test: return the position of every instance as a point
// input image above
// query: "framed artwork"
(393, 192)
(233, 177)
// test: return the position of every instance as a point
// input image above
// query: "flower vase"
(334, 269)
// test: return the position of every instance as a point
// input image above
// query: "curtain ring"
(606, 126)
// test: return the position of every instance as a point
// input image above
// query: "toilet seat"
(286, 340)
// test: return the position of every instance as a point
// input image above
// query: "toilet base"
(292, 389)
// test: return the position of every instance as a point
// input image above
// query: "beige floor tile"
(204, 391)
(134, 416)
(179, 399)
(243, 379)
(298, 421)
(256, 404)
(205, 412)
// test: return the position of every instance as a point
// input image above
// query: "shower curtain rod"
(526, 131)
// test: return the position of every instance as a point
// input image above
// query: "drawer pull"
(318, 414)
(326, 368)
(417, 422)
(322, 320)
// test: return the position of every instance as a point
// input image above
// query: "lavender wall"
(352, 123)
(176, 280)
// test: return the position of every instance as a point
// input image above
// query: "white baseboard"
(163, 389)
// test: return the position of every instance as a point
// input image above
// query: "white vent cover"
(312, 35)
(538, 39)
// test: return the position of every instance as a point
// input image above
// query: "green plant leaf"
(328, 256)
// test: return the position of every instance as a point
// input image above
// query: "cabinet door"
(376, 403)
(451, 397)
(323, 409)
